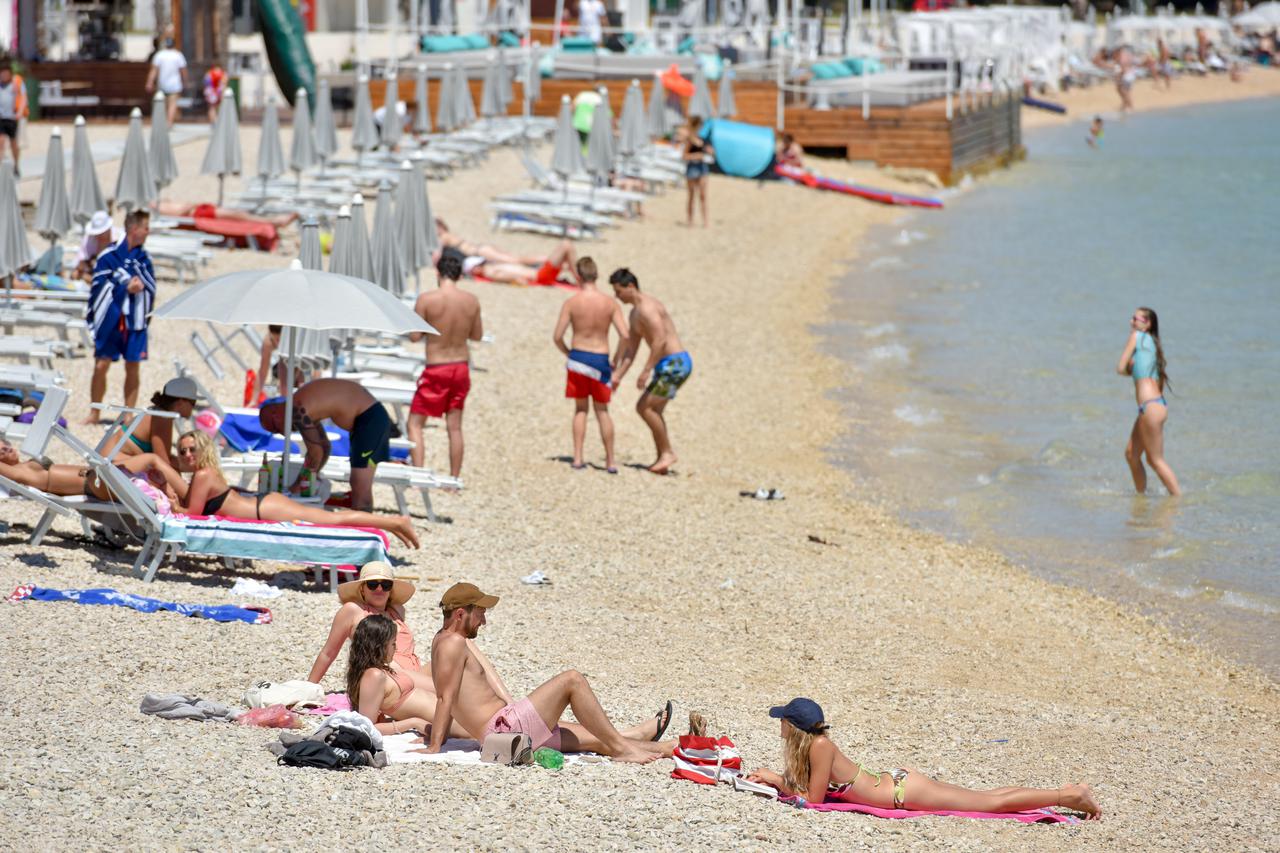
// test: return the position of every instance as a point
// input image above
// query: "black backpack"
(311, 753)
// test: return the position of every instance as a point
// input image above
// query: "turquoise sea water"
(982, 343)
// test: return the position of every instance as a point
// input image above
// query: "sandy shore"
(1187, 90)
(923, 653)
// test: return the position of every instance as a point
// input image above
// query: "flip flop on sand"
(581, 467)
(611, 470)
(664, 719)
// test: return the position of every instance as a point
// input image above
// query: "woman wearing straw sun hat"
(377, 590)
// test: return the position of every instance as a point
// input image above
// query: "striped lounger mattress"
(281, 542)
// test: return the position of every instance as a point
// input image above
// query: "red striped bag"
(706, 760)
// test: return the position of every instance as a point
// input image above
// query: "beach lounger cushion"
(264, 234)
(282, 542)
(577, 44)
(830, 70)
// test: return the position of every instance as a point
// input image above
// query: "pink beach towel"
(1036, 816)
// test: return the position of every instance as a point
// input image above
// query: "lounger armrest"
(111, 407)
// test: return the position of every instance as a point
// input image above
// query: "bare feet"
(92, 420)
(635, 754)
(1080, 798)
(402, 527)
(664, 463)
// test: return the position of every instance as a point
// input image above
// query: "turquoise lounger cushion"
(686, 45)
(577, 44)
(829, 71)
(444, 44)
(859, 66)
(475, 41)
(509, 39)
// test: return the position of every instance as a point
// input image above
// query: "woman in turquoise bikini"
(155, 435)
(1143, 359)
(815, 769)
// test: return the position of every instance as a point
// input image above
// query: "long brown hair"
(796, 744)
(368, 651)
(1153, 329)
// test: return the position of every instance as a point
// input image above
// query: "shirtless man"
(495, 264)
(349, 406)
(668, 362)
(446, 379)
(466, 695)
(590, 313)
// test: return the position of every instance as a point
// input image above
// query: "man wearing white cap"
(100, 234)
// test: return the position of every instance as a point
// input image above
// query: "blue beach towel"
(216, 612)
(244, 434)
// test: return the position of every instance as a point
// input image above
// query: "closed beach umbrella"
(325, 129)
(464, 104)
(657, 119)
(340, 248)
(302, 151)
(390, 114)
(164, 166)
(361, 248)
(505, 93)
(223, 157)
(86, 194)
(53, 213)
(444, 101)
(566, 152)
(727, 106)
(415, 226)
(313, 344)
(270, 153)
(388, 259)
(533, 78)
(135, 187)
(600, 146)
(422, 106)
(15, 250)
(700, 101)
(490, 97)
(364, 133)
(631, 130)
(309, 251)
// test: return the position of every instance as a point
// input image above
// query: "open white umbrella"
(422, 105)
(86, 194)
(700, 100)
(415, 225)
(658, 127)
(135, 186)
(53, 213)
(297, 298)
(302, 152)
(223, 157)
(566, 151)
(391, 128)
(728, 105)
(632, 137)
(361, 248)
(388, 258)
(270, 153)
(164, 165)
(444, 101)
(326, 130)
(15, 249)
(364, 133)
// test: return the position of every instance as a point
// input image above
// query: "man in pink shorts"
(480, 705)
(446, 379)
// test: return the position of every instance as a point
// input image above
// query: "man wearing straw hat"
(119, 312)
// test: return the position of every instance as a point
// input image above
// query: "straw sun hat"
(401, 590)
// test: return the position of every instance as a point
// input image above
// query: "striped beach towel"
(278, 541)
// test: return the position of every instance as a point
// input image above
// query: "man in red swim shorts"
(446, 380)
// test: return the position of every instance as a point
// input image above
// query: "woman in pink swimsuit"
(388, 696)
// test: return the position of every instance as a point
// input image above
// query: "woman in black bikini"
(698, 154)
(209, 494)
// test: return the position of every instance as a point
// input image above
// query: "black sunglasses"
(384, 585)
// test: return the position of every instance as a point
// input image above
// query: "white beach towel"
(400, 750)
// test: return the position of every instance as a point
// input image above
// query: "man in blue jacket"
(120, 303)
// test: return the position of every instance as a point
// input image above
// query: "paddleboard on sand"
(818, 182)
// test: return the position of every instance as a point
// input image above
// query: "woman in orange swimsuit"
(816, 770)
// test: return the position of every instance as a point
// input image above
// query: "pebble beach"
(923, 652)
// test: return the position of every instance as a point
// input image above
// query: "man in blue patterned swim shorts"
(668, 367)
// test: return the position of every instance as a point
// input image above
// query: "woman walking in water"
(1143, 359)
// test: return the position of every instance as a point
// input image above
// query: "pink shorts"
(522, 717)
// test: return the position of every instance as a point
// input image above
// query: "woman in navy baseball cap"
(816, 769)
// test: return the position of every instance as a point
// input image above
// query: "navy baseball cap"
(804, 714)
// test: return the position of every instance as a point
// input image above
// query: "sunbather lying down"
(211, 211)
(486, 261)
(71, 480)
(209, 494)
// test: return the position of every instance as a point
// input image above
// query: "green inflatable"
(286, 40)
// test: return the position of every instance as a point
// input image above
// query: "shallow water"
(982, 343)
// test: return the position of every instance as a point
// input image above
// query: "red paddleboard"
(818, 182)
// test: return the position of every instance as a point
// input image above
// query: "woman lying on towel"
(71, 480)
(816, 770)
(209, 494)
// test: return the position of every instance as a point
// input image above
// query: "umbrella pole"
(221, 178)
(285, 482)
